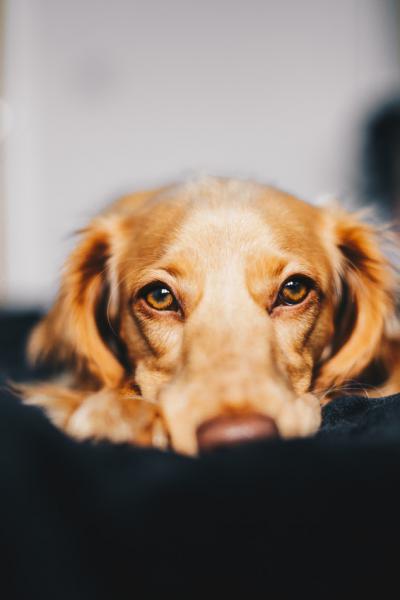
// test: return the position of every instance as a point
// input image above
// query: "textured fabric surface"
(313, 518)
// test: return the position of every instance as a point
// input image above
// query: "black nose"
(229, 430)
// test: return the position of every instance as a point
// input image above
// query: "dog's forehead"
(242, 217)
(213, 223)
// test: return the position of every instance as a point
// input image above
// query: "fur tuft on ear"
(70, 333)
(367, 299)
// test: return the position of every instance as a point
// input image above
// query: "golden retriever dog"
(214, 312)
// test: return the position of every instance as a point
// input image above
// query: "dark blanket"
(313, 518)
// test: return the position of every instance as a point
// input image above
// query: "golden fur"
(223, 247)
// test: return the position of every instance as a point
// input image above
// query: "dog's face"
(223, 298)
(233, 314)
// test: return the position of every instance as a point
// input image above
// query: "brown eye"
(294, 290)
(160, 297)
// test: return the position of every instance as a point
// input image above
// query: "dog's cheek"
(294, 357)
(151, 380)
(298, 367)
(301, 346)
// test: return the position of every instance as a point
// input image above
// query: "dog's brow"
(276, 266)
(161, 273)
(172, 270)
(296, 267)
(266, 267)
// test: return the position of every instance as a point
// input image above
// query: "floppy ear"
(76, 329)
(367, 286)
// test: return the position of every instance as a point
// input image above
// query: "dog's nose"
(229, 430)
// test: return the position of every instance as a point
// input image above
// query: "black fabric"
(313, 518)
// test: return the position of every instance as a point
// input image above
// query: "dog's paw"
(109, 416)
(299, 418)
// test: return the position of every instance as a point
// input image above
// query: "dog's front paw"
(109, 416)
(300, 418)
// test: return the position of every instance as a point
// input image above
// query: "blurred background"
(99, 98)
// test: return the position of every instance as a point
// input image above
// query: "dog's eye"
(294, 290)
(160, 297)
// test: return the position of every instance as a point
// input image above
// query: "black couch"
(313, 518)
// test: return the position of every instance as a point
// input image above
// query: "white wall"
(110, 96)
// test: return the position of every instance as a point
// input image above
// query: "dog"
(213, 312)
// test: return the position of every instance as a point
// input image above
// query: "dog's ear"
(73, 332)
(366, 287)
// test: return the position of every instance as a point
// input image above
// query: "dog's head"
(222, 298)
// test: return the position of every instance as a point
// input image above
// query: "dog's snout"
(228, 430)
